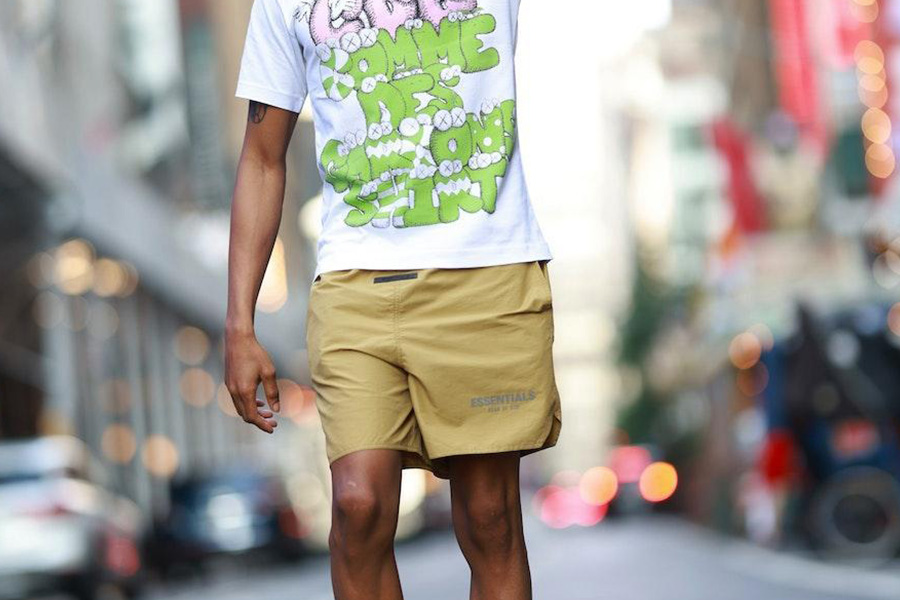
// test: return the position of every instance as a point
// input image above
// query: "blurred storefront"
(763, 178)
(117, 150)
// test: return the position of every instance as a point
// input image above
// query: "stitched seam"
(400, 353)
(396, 326)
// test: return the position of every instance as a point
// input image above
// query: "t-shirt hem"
(448, 259)
(250, 91)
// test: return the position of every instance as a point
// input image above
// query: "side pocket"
(309, 301)
(545, 274)
(314, 284)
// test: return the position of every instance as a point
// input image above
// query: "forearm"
(255, 219)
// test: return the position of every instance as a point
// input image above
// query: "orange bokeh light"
(598, 485)
(880, 160)
(752, 382)
(745, 350)
(894, 319)
(876, 126)
(658, 482)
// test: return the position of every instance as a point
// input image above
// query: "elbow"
(261, 161)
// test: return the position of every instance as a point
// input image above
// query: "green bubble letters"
(424, 157)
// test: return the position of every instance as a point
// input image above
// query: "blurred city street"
(655, 559)
(716, 179)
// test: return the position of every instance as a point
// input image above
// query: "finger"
(248, 402)
(252, 416)
(270, 387)
(268, 414)
(264, 424)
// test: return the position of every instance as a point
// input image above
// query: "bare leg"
(366, 488)
(487, 517)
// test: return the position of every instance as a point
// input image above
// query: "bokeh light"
(110, 278)
(883, 273)
(119, 443)
(598, 485)
(752, 382)
(764, 334)
(191, 345)
(40, 270)
(74, 269)
(880, 160)
(160, 456)
(103, 320)
(865, 11)
(893, 320)
(869, 57)
(560, 507)
(876, 126)
(224, 401)
(658, 482)
(132, 279)
(49, 310)
(197, 387)
(745, 350)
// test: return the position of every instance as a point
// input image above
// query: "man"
(430, 314)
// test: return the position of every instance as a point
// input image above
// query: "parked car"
(832, 408)
(61, 531)
(226, 513)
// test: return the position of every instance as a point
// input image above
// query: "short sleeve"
(272, 70)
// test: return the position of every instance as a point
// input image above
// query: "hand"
(247, 365)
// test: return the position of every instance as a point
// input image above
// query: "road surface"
(653, 559)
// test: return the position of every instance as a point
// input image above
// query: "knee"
(360, 519)
(490, 524)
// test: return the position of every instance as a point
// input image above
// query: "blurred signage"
(732, 144)
(795, 71)
(847, 32)
(203, 87)
(151, 67)
(151, 56)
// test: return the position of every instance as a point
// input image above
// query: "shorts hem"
(532, 447)
(412, 458)
(548, 440)
(374, 446)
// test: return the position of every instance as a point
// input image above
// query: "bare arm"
(255, 218)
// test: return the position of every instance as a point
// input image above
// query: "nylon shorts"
(434, 362)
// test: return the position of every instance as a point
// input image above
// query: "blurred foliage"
(651, 301)
(847, 163)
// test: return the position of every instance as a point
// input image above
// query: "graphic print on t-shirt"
(424, 156)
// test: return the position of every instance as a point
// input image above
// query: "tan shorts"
(434, 362)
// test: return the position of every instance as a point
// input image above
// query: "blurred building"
(762, 175)
(118, 142)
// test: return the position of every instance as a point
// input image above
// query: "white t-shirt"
(414, 109)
